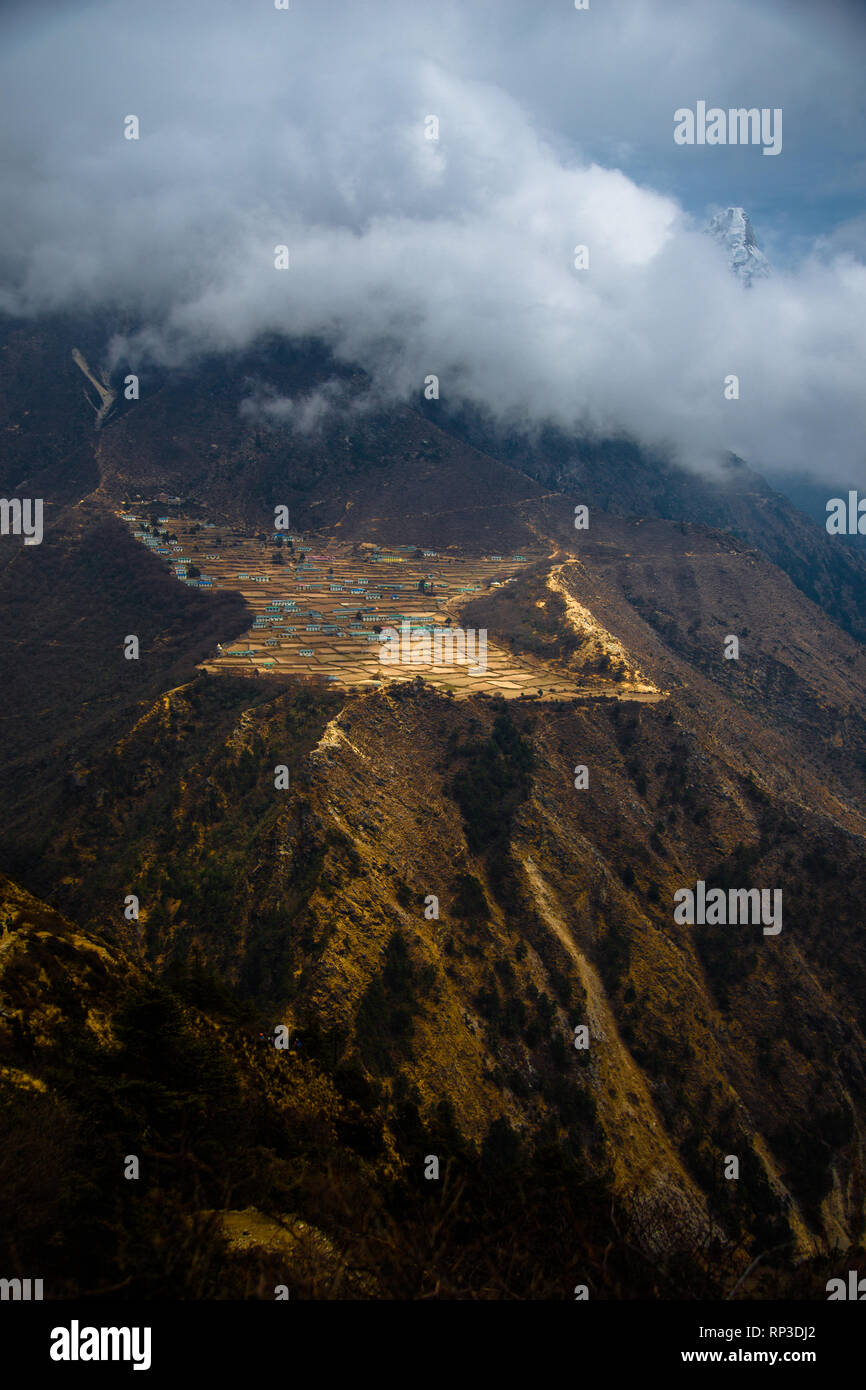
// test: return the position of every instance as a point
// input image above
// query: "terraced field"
(324, 611)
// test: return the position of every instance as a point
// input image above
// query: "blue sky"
(607, 81)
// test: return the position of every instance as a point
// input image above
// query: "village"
(324, 608)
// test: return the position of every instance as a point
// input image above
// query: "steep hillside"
(619, 477)
(555, 908)
(673, 595)
(156, 1144)
(46, 423)
(66, 609)
(442, 893)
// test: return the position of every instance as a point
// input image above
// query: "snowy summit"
(733, 230)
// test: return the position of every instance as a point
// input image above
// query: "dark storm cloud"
(455, 257)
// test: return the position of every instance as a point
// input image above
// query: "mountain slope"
(545, 892)
(449, 1032)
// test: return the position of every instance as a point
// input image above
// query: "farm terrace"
(320, 619)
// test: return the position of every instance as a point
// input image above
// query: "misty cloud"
(411, 256)
(307, 412)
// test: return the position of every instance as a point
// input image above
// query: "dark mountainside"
(413, 1036)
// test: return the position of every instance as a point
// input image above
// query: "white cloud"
(411, 256)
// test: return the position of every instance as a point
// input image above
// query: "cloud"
(410, 256)
(307, 412)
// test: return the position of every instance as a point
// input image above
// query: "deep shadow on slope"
(66, 607)
(620, 477)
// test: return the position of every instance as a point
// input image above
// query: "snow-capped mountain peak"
(733, 230)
